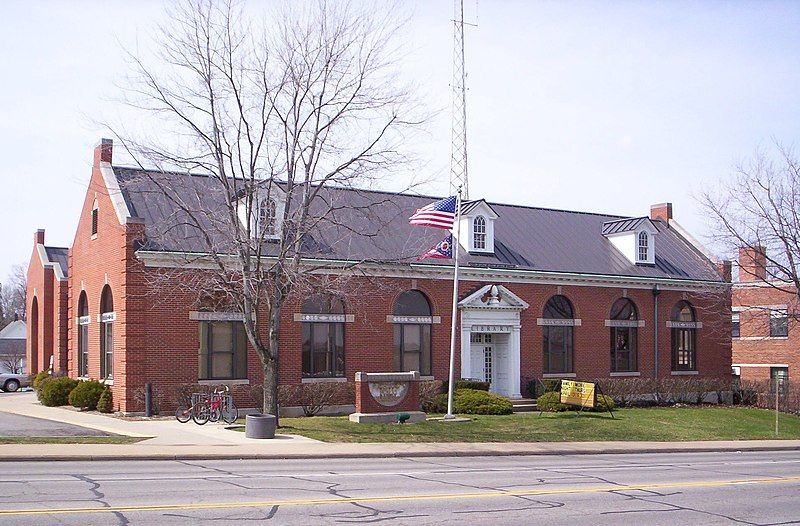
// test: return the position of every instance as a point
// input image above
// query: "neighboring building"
(544, 294)
(12, 348)
(766, 340)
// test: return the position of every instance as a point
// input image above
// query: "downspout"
(656, 292)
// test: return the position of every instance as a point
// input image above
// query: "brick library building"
(543, 293)
(765, 341)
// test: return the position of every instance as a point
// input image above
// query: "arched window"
(558, 326)
(479, 233)
(624, 336)
(684, 337)
(643, 246)
(95, 209)
(323, 336)
(267, 213)
(412, 333)
(107, 317)
(83, 335)
(33, 366)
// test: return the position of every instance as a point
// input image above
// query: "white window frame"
(777, 314)
(479, 233)
(272, 227)
(643, 246)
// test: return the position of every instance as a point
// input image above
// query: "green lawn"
(656, 424)
(71, 440)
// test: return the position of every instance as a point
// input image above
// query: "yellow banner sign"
(578, 393)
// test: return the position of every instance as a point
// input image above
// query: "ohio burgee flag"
(444, 250)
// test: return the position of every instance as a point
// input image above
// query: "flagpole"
(453, 319)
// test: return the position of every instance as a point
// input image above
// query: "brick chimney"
(38, 237)
(724, 268)
(662, 211)
(103, 151)
(752, 264)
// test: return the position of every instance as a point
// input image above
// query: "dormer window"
(476, 227)
(479, 233)
(634, 237)
(266, 222)
(643, 246)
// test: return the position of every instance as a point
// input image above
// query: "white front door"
(500, 384)
(488, 370)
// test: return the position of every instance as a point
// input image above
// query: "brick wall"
(755, 346)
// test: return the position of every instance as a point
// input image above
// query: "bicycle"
(204, 408)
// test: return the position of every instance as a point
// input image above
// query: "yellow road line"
(436, 496)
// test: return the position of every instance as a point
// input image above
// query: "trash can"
(259, 425)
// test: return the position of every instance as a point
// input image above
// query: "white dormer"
(476, 229)
(634, 237)
(267, 214)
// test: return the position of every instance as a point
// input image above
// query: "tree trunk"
(270, 403)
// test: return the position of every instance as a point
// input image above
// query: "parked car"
(10, 382)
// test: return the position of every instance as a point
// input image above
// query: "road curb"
(393, 454)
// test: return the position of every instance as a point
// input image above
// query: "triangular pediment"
(493, 297)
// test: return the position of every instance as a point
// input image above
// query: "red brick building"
(544, 294)
(765, 343)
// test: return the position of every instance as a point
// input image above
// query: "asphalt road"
(670, 489)
(12, 425)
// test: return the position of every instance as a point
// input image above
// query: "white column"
(466, 348)
(514, 362)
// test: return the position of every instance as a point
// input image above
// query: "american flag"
(444, 250)
(440, 214)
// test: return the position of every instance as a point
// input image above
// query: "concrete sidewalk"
(172, 440)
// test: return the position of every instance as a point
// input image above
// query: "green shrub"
(56, 391)
(106, 402)
(42, 382)
(37, 380)
(538, 387)
(551, 403)
(604, 403)
(473, 402)
(467, 384)
(86, 395)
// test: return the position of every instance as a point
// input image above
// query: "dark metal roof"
(58, 255)
(623, 225)
(371, 225)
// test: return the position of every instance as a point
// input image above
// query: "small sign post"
(583, 394)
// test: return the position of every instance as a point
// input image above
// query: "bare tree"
(13, 361)
(758, 209)
(12, 296)
(279, 116)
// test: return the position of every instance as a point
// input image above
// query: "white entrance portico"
(490, 342)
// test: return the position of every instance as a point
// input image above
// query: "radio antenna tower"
(458, 148)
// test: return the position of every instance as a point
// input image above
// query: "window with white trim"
(778, 323)
(644, 245)
(479, 233)
(266, 221)
(735, 325)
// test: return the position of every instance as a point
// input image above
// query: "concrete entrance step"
(523, 405)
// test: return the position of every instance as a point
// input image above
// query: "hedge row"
(55, 391)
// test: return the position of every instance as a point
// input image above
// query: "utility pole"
(458, 147)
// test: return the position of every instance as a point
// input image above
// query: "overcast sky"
(595, 106)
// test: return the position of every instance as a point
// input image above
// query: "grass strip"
(660, 424)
